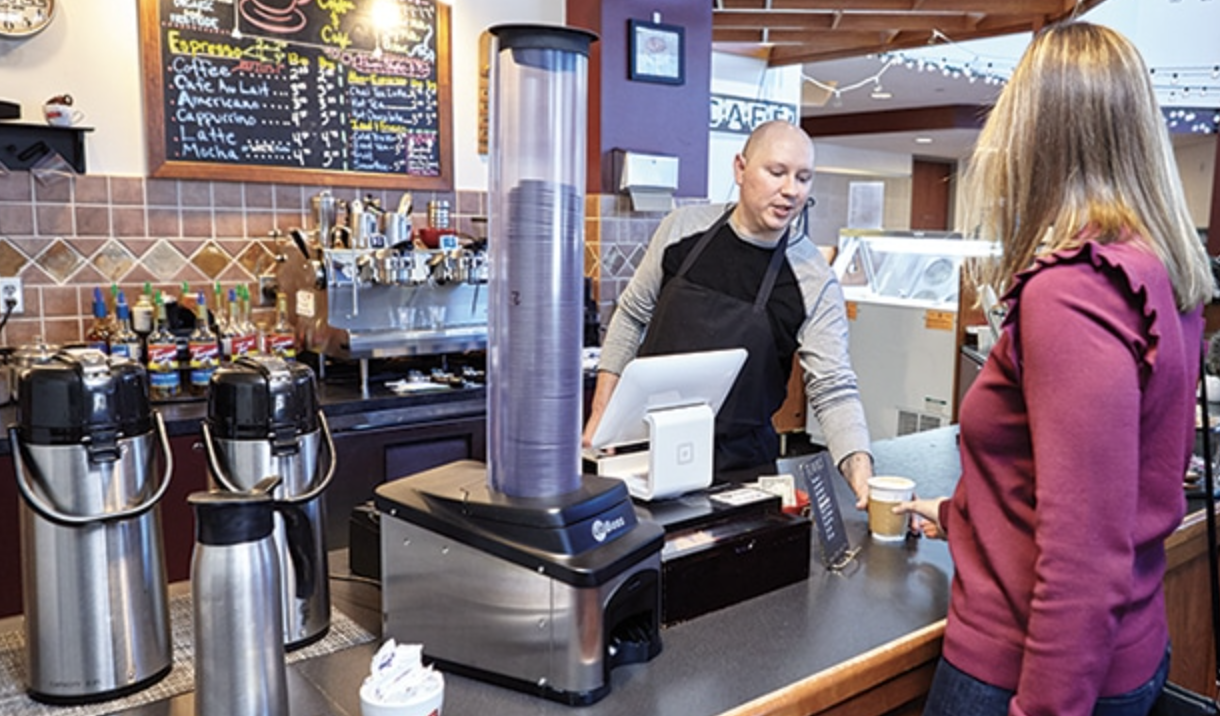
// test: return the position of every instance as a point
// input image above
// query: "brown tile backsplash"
(162, 192)
(129, 221)
(53, 219)
(16, 186)
(195, 193)
(66, 237)
(93, 220)
(92, 190)
(128, 190)
(16, 218)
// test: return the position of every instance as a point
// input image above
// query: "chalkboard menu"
(337, 92)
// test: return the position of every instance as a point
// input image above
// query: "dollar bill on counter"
(782, 485)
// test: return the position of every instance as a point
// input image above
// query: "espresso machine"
(84, 446)
(364, 287)
(523, 571)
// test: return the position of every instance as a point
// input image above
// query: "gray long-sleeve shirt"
(830, 382)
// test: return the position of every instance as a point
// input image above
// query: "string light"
(1175, 83)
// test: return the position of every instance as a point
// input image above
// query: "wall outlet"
(10, 290)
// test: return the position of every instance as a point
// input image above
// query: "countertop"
(717, 661)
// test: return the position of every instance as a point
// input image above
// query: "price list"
(335, 85)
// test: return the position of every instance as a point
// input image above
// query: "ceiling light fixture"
(923, 140)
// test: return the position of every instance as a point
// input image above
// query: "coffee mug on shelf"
(60, 112)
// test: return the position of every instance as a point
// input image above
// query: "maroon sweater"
(1074, 441)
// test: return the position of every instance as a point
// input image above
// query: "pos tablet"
(670, 402)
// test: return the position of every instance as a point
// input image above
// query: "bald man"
(718, 276)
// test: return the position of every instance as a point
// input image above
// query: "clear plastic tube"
(536, 236)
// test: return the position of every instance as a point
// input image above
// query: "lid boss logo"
(603, 528)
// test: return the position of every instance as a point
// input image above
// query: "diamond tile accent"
(33, 275)
(613, 260)
(11, 260)
(163, 260)
(211, 260)
(113, 261)
(256, 259)
(60, 261)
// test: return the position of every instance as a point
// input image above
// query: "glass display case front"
(910, 268)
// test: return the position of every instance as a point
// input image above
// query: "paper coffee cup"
(427, 700)
(883, 494)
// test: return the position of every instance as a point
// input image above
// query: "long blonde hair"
(1077, 140)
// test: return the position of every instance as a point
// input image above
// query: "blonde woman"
(1076, 435)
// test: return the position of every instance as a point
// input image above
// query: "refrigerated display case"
(901, 290)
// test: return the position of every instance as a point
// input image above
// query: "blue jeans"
(956, 693)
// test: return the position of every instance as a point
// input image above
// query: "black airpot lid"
(258, 396)
(81, 394)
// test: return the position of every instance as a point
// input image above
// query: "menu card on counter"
(340, 92)
(816, 473)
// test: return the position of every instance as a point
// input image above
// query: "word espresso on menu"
(316, 84)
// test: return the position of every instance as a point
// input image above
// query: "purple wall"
(645, 116)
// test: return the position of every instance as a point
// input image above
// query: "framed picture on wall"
(656, 52)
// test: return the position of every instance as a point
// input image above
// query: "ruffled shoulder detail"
(1121, 262)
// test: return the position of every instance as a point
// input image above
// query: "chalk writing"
(317, 86)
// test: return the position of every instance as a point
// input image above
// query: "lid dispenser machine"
(523, 571)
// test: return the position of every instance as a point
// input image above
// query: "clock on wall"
(22, 18)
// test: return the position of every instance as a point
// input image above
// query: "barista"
(717, 277)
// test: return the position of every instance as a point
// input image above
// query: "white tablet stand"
(679, 455)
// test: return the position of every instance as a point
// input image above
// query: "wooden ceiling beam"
(815, 30)
(950, 116)
(879, 22)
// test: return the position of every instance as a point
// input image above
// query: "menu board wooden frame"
(153, 62)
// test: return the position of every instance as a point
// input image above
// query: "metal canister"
(263, 420)
(94, 590)
(235, 587)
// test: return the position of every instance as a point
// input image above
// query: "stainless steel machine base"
(534, 620)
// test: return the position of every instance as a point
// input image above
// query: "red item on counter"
(430, 236)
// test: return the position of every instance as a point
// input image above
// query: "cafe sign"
(740, 115)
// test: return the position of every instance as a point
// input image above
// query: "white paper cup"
(426, 703)
(883, 493)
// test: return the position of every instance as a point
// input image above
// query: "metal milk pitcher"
(235, 589)
(96, 614)
(263, 420)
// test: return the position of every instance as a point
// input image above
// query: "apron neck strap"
(704, 240)
(768, 283)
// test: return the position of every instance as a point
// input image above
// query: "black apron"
(690, 318)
